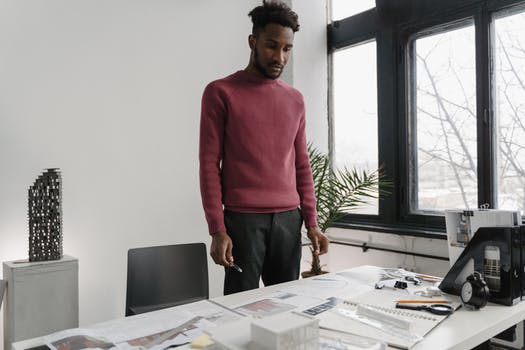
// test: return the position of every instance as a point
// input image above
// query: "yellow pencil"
(429, 277)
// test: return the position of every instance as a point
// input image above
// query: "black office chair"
(166, 276)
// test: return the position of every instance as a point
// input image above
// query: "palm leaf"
(339, 191)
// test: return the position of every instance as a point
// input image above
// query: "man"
(254, 162)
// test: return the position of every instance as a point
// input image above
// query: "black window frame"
(393, 25)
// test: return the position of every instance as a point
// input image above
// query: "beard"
(260, 67)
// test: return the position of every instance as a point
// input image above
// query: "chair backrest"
(165, 276)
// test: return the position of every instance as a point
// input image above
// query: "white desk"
(462, 330)
(465, 329)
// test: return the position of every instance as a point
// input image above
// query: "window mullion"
(484, 109)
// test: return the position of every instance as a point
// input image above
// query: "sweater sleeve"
(213, 112)
(304, 179)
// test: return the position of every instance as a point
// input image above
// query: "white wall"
(343, 256)
(310, 67)
(109, 91)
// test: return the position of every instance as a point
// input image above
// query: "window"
(443, 95)
(450, 113)
(347, 8)
(509, 95)
(355, 112)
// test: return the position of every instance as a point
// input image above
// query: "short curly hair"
(273, 12)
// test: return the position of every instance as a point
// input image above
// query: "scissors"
(436, 309)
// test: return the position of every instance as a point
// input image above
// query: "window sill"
(405, 230)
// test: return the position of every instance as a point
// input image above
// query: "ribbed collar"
(255, 78)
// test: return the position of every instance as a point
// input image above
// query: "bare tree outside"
(510, 109)
(446, 154)
(443, 137)
(445, 121)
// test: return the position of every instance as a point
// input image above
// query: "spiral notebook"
(374, 315)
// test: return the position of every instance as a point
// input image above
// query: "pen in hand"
(236, 267)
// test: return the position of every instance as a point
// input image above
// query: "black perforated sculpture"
(45, 217)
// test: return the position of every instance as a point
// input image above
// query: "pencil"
(236, 267)
(429, 277)
(423, 301)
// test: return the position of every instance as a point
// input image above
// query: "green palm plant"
(339, 191)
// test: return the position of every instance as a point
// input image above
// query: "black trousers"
(264, 245)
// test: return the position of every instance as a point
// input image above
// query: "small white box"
(287, 331)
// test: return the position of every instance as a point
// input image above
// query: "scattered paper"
(153, 331)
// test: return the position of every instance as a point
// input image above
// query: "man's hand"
(221, 249)
(319, 240)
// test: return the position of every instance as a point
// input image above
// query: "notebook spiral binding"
(394, 311)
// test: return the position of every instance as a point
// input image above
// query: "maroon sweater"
(252, 149)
